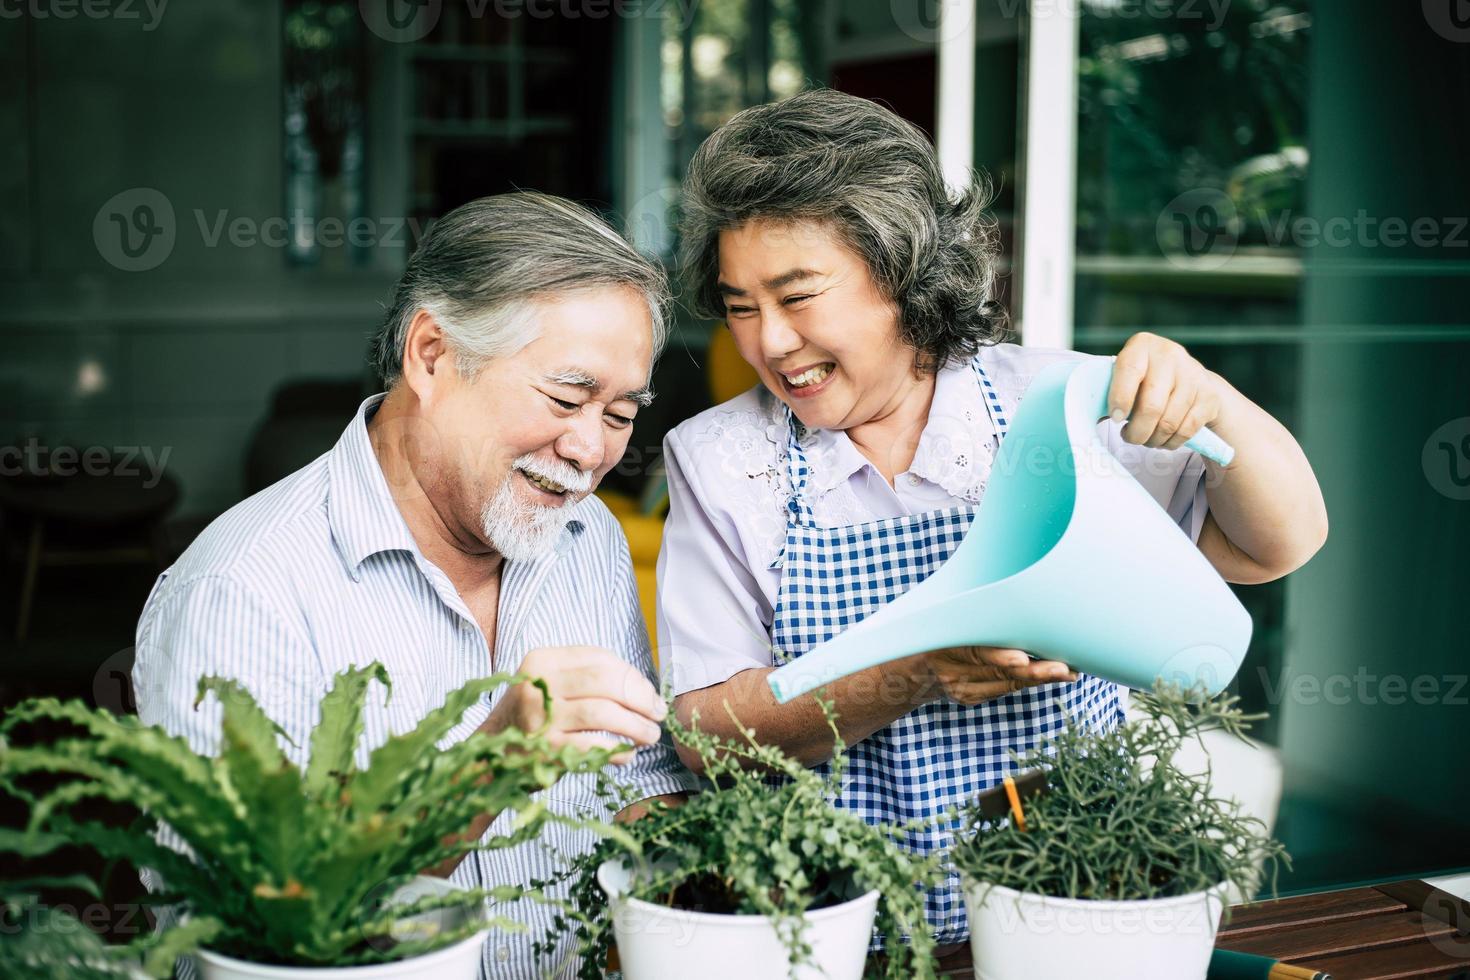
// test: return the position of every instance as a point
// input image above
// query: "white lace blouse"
(728, 490)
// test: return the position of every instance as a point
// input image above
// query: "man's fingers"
(587, 741)
(603, 715)
(592, 672)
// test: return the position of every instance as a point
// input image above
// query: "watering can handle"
(1204, 442)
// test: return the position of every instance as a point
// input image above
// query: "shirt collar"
(959, 438)
(361, 511)
(958, 427)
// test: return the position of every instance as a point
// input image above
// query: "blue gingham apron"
(944, 752)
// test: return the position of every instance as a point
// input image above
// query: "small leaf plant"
(751, 845)
(1120, 819)
(285, 865)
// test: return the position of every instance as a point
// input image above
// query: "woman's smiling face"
(805, 312)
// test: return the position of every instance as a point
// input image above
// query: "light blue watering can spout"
(1068, 558)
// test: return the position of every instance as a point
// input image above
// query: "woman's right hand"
(972, 675)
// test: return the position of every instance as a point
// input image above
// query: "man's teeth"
(810, 377)
(544, 483)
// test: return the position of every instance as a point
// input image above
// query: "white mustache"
(562, 474)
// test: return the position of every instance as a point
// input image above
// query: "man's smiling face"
(537, 430)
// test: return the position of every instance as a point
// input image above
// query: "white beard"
(523, 531)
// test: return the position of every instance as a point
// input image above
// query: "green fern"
(286, 865)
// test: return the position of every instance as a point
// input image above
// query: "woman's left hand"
(1164, 393)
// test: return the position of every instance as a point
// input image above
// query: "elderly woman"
(820, 230)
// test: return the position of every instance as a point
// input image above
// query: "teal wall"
(186, 353)
(1387, 596)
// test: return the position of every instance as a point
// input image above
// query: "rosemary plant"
(1121, 820)
(284, 865)
(744, 846)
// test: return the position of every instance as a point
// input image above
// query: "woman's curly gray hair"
(874, 179)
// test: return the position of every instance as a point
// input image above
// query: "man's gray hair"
(874, 179)
(482, 267)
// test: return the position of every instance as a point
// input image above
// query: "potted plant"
(752, 877)
(38, 940)
(291, 872)
(1122, 864)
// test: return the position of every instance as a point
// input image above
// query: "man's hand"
(598, 701)
(971, 675)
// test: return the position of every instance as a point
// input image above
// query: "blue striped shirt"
(320, 572)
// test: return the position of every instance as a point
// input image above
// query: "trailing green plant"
(38, 940)
(746, 846)
(1121, 820)
(290, 865)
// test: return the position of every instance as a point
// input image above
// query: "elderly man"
(449, 533)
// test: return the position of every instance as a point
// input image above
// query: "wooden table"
(1401, 929)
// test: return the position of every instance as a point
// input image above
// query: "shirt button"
(466, 625)
(502, 953)
(913, 480)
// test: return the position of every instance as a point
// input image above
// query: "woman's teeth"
(811, 376)
(544, 483)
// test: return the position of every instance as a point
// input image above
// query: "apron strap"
(992, 400)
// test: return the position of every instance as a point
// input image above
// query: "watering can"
(1068, 558)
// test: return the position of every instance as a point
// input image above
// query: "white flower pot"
(656, 942)
(460, 961)
(1015, 934)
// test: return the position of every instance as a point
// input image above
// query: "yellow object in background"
(727, 375)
